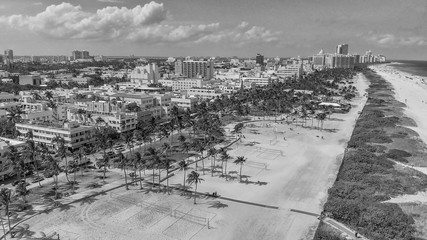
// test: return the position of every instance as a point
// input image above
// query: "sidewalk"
(346, 231)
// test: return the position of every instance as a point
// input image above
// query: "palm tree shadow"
(217, 205)
(331, 130)
(94, 185)
(88, 200)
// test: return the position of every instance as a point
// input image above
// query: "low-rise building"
(184, 102)
(204, 93)
(143, 100)
(34, 80)
(182, 84)
(259, 81)
(74, 135)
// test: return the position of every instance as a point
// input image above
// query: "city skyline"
(220, 28)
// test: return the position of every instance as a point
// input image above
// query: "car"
(72, 170)
(37, 179)
(17, 182)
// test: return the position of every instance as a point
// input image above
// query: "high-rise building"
(8, 56)
(195, 69)
(259, 59)
(76, 54)
(178, 67)
(342, 49)
(145, 74)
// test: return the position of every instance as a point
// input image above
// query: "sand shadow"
(217, 205)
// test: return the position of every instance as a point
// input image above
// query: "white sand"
(411, 90)
(299, 179)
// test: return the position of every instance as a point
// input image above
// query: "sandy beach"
(288, 167)
(411, 90)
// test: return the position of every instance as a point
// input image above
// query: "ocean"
(413, 67)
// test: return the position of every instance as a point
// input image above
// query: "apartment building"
(143, 100)
(184, 102)
(204, 93)
(74, 135)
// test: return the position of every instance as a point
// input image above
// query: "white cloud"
(111, 1)
(243, 34)
(146, 24)
(392, 40)
(37, 3)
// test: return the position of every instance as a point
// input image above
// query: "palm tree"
(14, 161)
(103, 162)
(240, 160)
(54, 107)
(123, 160)
(194, 177)
(181, 139)
(154, 157)
(140, 163)
(212, 153)
(6, 197)
(48, 95)
(30, 152)
(63, 152)
(166, 162)
(36, 96)
(183, 166)
(224, 158)
(52, 166)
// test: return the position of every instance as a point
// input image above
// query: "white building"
(291, 71)
(259, 81)
(145, 74)
(74, 135)
(184, 102)
(203, 93)
(182, 84)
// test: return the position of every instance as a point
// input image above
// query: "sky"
(285, 28)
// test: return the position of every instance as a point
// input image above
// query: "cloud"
(145, 24)
(37, 3)
(392, 40)
(243, 34)
(65, 21)
(111, 1)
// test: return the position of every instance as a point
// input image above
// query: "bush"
(397, 154)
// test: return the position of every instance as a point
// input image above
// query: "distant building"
(178, 67)
(184, 102)
(76, 54)
(182, 84)
(291, 71)
(8, 57)
(34, 80)
(145, 74)
(143, 100)
(342, 49)
(203, 93)
(259, 81)
(198, 69)
(259, 59)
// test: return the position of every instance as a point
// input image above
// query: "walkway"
(346, 232)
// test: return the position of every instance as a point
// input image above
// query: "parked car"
(17, 182)
(37, 179)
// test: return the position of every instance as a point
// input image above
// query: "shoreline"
(411, 90)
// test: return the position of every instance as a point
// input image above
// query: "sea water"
(418, 68)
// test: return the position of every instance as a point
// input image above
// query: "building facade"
(198, 69)
(74, 135)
